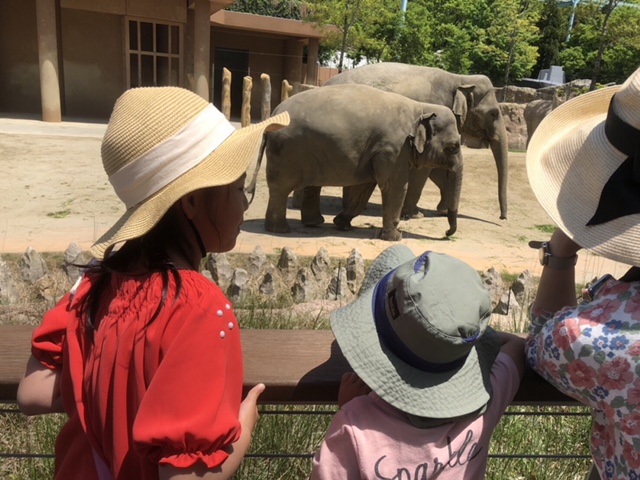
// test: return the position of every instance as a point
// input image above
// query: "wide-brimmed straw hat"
(419, 336)
(164, 142)
(580, 164)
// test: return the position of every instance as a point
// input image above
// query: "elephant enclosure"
(55, 192)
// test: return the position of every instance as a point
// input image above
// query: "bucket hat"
(583, 164)
(419, 336)
(164, 142)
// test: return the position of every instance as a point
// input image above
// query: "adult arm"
(248, 419)
(39, 389)
(557, 286)
(513, 346)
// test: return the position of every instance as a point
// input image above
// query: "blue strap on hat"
(389, 337)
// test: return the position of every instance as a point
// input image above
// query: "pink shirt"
(370, 439)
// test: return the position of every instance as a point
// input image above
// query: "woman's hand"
(351, 386)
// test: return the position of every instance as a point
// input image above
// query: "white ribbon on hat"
(171, 158)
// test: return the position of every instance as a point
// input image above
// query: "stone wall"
(28, 287)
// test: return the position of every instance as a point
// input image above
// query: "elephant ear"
(462, 103)
(422, 132)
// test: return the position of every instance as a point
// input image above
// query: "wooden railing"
(297, 366)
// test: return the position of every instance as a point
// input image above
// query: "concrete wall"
(92, 83)
(20, 76)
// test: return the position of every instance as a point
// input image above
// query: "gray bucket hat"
(418, 334)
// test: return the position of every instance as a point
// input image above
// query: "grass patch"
(60, 213)
(546, 228)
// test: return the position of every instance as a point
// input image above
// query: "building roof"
(271, 25)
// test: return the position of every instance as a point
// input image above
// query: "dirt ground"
(54, 192)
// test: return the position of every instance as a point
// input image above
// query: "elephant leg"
(439, 177)
(354, 200)
(276, 217)
(310, 214)
(298, 198)
(393, 196)
(417, 180)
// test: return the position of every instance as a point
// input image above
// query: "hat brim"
(221, 167)
(440, 395)
(569, 160)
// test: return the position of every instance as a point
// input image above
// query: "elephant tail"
(251, 188)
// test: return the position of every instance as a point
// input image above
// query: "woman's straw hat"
(583, 164)
(164, 142)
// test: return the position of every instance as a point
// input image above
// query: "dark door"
(237, 62)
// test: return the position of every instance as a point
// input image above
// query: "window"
(154, 51)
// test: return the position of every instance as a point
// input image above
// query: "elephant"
(471, 98)
(357, 137)
(534, 113)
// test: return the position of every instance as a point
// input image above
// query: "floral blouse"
(591, 352)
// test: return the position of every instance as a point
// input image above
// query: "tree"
(506, 52)
(283, 9)
(346, 15)
(553, 26)
(605, 41)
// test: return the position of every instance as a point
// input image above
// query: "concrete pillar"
(293, 61)
(312, 62)
(201, 48)
(48, 59)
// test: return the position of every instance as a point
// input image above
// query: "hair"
(139, 256)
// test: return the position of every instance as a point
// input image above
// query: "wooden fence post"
(265, 110)
(286, 88)
(245, 117)
(226, 93)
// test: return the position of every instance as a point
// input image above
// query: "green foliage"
(618, 34)
(272, 8)
(546, 228)
(553, 25)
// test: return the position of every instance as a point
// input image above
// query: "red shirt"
(145, 393)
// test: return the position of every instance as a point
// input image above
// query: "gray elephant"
(359, 137)
(534, 113)
(473, 101)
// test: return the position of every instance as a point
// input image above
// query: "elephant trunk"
(500, 150)
(454, 186)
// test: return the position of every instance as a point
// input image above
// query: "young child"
(439, 377)
(144, 355)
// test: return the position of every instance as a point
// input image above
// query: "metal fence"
(299, 456)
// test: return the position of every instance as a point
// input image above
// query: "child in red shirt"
(144, 354)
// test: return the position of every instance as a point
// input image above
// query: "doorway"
(237, 62)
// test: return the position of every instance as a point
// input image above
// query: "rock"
(33, 266)
(9, 293)
(257, 259)
(288, 263)
(513, 94)
(74, 261)
(523, 288)
(513, 114)
(220, 269)
(355, 270)
(271, 282)
(507, 304)
(493, 282)
(338, 287)
(321, 265)
(305, 288)
(239, 285)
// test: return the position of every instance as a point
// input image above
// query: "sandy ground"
(54, 192)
